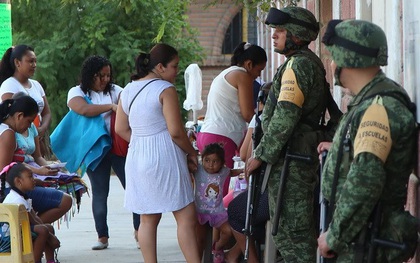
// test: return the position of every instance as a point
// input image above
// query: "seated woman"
(29, 152)
(16, 115)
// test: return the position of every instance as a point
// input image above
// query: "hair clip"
(7, 167)
(247, 45)
(146, 59)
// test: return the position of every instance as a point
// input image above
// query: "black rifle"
(254, 180)
(374, 241)
(284, 172)
(323, 224)
(373, 226)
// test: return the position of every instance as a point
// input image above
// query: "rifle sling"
(359, 246)
(343, 140)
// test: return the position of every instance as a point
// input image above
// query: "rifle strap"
(359, 246)
(344, 147)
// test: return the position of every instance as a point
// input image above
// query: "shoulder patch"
(290, 90)
(374, 134)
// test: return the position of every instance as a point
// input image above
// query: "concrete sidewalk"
(78, 237)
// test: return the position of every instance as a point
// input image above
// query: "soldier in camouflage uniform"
(372, 153)
(290, 121)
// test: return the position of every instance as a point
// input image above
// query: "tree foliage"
(65, 32)
(263, 5)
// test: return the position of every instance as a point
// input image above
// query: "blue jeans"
(43, 198)
(99, 181)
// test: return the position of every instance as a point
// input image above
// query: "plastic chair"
(20, 234)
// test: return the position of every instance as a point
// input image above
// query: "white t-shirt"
(252, 123)
(12, 85)
(223, 116)
(14, 198)
(98, 98)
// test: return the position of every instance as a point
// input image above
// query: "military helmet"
(356, 43)
(299, 21)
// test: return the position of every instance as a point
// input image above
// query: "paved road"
(78, 237)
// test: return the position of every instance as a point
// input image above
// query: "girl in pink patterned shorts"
(209, 180)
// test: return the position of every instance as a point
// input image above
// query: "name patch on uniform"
(374, 134)
(289, 90)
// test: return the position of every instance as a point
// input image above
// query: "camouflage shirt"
(366, 177)
(283, 117)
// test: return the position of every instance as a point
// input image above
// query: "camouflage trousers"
(296, 237)
(348, 256)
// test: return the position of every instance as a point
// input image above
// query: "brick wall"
(212, 23)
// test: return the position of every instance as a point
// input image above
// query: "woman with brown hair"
(158, 177)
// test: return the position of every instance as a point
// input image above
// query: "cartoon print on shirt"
(212, 192)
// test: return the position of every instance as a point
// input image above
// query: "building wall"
(411, 77)
(211, 24)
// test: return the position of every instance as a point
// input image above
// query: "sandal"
(218, 255)
(136, 238)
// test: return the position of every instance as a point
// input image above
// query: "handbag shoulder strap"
(87, 99)
(129, 107)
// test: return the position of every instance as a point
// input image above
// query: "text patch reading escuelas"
(289, 90)
(373, 134)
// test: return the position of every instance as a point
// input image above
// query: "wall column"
(336, 14)
(364, 10)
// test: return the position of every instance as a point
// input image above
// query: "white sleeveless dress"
(157, 177)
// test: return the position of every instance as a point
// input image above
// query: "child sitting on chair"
(21, 181)
(209, 180)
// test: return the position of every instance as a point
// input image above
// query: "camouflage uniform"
(287, 125)
(367, 174)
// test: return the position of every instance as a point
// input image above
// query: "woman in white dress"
(160, 156)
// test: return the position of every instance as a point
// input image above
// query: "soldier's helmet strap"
(278, 18)
(330, 38)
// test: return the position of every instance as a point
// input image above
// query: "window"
(233, 35)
